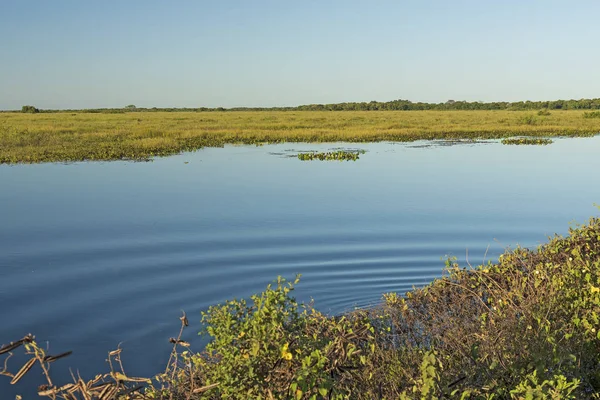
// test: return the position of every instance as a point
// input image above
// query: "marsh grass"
(591, 114)
(526, 327)
(80, 136)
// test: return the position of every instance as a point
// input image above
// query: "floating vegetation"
(339, 155)
(527, 141)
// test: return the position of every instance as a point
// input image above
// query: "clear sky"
(84, 54)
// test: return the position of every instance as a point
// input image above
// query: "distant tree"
(131, 107)
(29, 109)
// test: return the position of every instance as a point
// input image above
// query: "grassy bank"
(526, 327)
(77, 136)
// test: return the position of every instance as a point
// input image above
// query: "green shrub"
(556, 388)
(274, 347)
(528, 120)
(544, 113)
(29, 109)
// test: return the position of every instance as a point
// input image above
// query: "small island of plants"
(339, 155)
(527, 141)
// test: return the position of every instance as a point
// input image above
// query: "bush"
(29, 109)
(528, 120)
(276, 348)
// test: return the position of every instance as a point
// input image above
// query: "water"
(97, 254)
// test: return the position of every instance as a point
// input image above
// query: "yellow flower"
(285, 354)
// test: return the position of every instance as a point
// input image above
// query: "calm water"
(97, 254)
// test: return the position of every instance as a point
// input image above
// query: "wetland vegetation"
(338, 155)
(527, 141)
(593, 114)
(524, 327)
(134, 135)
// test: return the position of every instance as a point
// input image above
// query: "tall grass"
(47, 137)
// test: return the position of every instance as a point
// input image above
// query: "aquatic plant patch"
(340, 155)
(527, 141)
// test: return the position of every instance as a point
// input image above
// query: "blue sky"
(83, 54)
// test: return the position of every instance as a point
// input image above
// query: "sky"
(238, 53)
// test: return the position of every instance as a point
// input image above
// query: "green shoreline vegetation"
(526, 327)
(35, 137)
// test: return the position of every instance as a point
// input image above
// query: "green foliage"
(544, 113)
(271, 347)
(527, 141)
(426, 387)
(29, 110)
(556, 388)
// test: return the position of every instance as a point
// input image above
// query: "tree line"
(394, 105)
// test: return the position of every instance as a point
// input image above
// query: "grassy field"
(49, 137)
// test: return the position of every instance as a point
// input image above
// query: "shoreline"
(526, 324)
